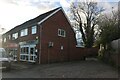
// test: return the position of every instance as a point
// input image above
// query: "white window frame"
(34, 30)
(4, 39)
(24, 32)
(60, 33)
(9, 36)
(15, 36)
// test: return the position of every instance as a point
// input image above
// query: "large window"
(27, 53)
(24, 32)
(14, 36)
(61, 33)
(34, 29)
(24, 53)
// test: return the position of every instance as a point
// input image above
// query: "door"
(13, 53)
(24, 53)
(32, 55)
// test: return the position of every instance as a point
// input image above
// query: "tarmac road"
(75, 69)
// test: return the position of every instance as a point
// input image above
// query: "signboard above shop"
(12, 45)
(28, 42)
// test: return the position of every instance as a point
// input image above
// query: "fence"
(116, 54)
(113, 56)
(81, 53)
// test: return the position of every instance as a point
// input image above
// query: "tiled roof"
(39, 18)
(33, 21)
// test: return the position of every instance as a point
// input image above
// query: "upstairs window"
(34, 29)
(24, 32)
(4, 39)
(14, 36)
(9, 37)
(61, 33)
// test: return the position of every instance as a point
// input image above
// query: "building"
(1, 32)
(0, 40)
(44, 39)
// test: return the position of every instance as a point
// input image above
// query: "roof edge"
(49, 15)
(57, 9)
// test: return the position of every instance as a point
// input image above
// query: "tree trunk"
(83, 35)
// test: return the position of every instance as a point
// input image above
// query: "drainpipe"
(40, 39)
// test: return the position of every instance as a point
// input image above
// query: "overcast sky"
(15, 12)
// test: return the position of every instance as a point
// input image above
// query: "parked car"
(5, 62)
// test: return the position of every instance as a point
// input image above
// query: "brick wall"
(50, 34)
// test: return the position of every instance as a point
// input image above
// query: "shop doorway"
(27, 53)
(13, 53)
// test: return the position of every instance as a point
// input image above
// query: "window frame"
(33, 29)
(4, 39)
(14, 36)
(24, 32)
(61, 32)
(9, 36)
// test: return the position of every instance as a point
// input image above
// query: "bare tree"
(91, 12)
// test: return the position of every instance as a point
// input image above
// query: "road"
(75, 69)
